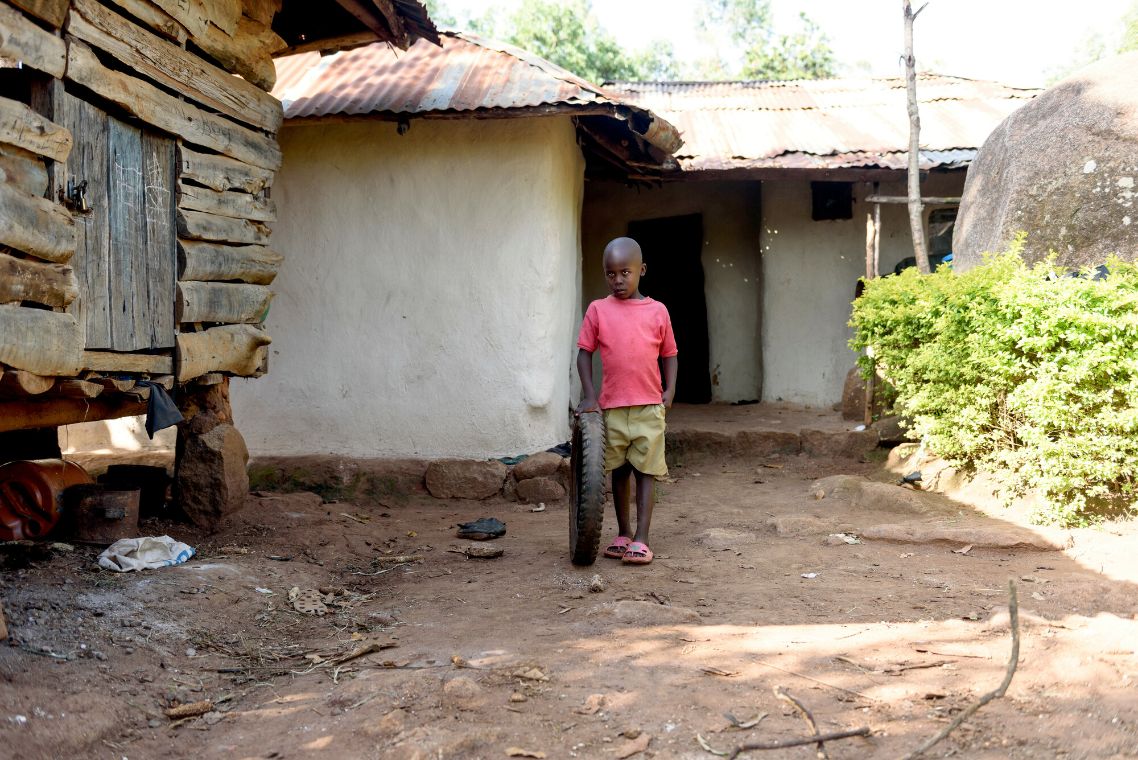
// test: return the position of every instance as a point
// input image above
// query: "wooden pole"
(916, 209)
(876, 239)
(872, 270)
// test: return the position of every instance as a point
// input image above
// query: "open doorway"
(672, 248)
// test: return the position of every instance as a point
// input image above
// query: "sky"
(1018, 42)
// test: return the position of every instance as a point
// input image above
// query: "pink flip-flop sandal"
(617, 547)
(637, 554)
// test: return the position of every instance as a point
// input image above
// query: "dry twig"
(807, 716)
(1013, 661)
(784, 743)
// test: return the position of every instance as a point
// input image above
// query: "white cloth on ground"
(146, 553)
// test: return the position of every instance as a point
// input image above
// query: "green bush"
(1017, 369)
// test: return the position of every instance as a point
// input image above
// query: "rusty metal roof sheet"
(825, 124)
(465, 74)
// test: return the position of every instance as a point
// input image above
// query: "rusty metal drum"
(31, 495)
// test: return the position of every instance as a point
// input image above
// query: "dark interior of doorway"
(672, 248)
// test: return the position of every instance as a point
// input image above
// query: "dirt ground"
(750, 591)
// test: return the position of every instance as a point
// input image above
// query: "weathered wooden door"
(120, 181)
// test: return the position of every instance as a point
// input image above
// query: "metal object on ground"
(31, 495)
(100, 515)
(586, 488)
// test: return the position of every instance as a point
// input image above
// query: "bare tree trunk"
(916, 209)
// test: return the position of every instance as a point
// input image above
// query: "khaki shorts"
(635, 434)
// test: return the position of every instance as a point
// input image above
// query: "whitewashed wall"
(810, 270)
(430, 291)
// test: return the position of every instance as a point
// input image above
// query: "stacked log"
(169, 64)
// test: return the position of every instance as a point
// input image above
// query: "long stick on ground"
(1013, 661)
(782, 744)
(916, 208)
(807, 716)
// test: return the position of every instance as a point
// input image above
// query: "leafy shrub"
(1018, 369)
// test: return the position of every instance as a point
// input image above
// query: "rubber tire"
(586, 488)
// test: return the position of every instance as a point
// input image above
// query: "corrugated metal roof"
(825, 124)
(467, 73)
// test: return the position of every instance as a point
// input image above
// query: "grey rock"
(536, 490)
(540, 465)
(1062, 169)
(465, 478)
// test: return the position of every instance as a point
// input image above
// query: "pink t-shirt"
(632, 335)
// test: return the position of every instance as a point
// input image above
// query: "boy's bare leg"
(645, 500)
(621, 491)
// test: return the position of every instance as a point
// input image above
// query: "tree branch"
(1013, 661)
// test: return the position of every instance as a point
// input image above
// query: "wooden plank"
(248, 53)
(35, 226)
(262, 11)
(23, 169)
(24, 128)
(89, 162)
(40, 341)
(226, 302)
(238, 43)
(209, 262)
(108, 361)
(75, 388)
(221, 172)
(23, 41)
(199, 16)
(197, 225)
(52, 285)
(237, 349)
(170, 114)
(113, 384)
(936, 200)
(170, 65)
(17, 382)
(161, 237)
(210, 378)
(236, 205)
(19, 415)
(128, 270)
(154, 17)
(52, 11)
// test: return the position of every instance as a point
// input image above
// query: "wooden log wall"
(164, 69)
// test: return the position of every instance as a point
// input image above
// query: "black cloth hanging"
(161, 412)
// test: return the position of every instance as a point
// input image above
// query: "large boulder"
(212, 480)
(465, 478)
(1063, 170)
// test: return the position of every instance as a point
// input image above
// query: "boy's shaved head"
(628, 249)
(624, 266)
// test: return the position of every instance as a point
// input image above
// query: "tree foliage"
(761, 51)
(1017, 369)
(567, 33)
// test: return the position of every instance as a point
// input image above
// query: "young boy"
(634, 333)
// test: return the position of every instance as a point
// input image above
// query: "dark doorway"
(672, 247)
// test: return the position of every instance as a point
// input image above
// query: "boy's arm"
(588, 393)
(671, 366)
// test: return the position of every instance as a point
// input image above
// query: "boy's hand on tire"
(586, 405)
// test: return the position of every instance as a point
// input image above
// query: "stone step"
(852, 444)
